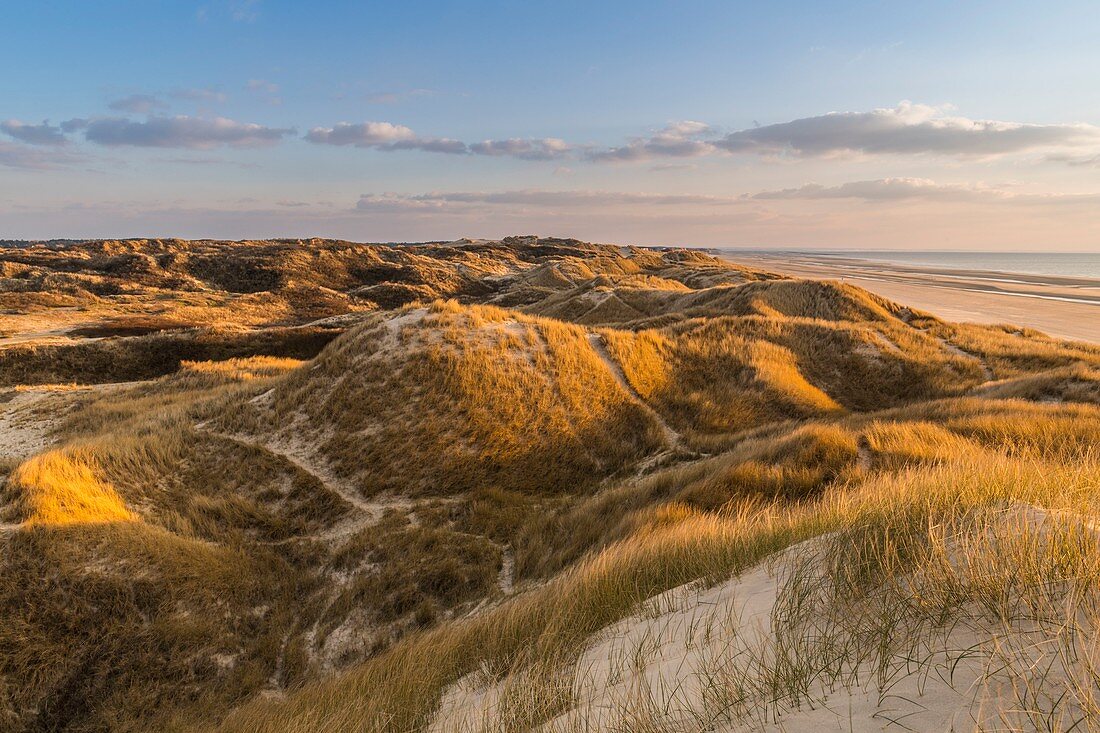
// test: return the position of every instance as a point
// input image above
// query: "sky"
(792, 125)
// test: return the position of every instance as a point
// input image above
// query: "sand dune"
(1066, 307)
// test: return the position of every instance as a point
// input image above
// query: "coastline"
(1058, 305)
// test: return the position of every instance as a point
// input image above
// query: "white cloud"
(432, 145)
(138, 104)
(389, 137)
(908, 129)
(1087, 161)
(883, 189)
(677, 140)
(887, 190)
(362, 135)
(179, 132)
(548, 148)
(382, 136)
(534, 198)
(903, 189)
(41, 134)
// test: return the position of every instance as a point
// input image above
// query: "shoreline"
(1059, 305)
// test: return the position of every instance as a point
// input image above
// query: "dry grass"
(460, 398)
(62, 487)
(147, 357)
(250, 524)
(1013, 351)
(108, 589)
(890, 514)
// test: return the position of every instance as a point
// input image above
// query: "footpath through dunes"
(459, 498)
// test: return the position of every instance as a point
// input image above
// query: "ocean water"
(1070, 264)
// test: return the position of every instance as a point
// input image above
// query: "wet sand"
(1065, 307)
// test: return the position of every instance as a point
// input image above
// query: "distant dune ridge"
(530, 484)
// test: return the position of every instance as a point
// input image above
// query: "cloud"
(42, 134)
(199, 95)
(884, 189)
(432, 145)
(138, 104)
(179, 132)
(658, 204)
(382, 136)
(908, 129)
(673, 167)
(77, 123)
(677, 140)
(548, 148)
(905, 189)
(262, 85)
(389, 137)
(362, 135)
(389, 202)
(1087, 161)
(13, 155)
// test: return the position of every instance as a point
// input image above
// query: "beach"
(1060, 306)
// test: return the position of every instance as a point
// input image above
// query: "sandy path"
(672, 437)
(366, 512)
(863, 454)
(506, 579)
(23, 430)
(987, 372)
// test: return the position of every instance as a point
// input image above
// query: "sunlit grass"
(467, 494)
(62, 487)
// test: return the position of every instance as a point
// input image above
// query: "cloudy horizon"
(945, 130)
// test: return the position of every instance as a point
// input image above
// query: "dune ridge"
(530, 485)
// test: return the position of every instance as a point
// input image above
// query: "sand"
(1064, 307)
(705, 658)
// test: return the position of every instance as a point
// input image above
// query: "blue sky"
(860, 124)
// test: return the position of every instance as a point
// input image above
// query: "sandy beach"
(1065, 307)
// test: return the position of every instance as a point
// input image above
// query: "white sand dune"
(729, 659)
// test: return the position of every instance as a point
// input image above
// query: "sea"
(1068, 264)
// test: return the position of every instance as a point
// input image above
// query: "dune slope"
(529, 484)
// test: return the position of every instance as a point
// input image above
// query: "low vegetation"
(504, 485)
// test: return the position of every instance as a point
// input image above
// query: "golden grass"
(493, 435)
(61, 487)
(1074, 383)
(1012, 351)
(456, 399)
(399, 690)
(131, 532)
(895, 445)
